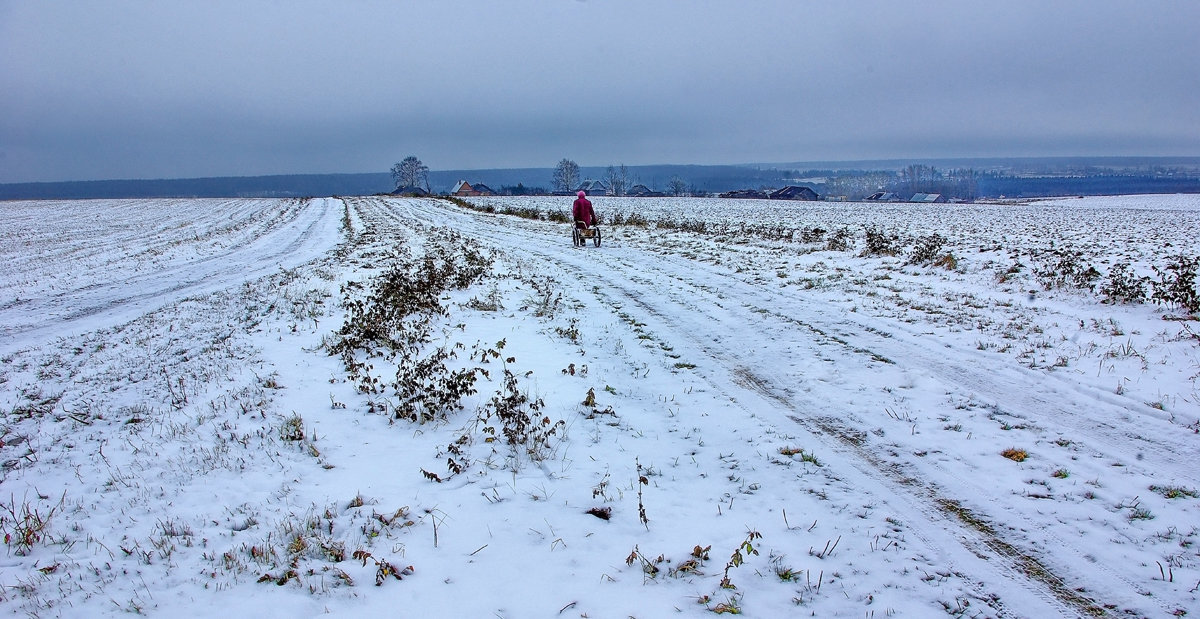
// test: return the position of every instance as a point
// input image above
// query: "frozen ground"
(206, 410)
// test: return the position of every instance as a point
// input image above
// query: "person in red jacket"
(582, 211)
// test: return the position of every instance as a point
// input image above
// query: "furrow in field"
(268, 236)
(710, 314)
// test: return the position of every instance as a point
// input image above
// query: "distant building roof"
(745, 194)
(642, 191)
(410, 190)
(463, 188)
(794, 192)
(928, 198)
(593, 187)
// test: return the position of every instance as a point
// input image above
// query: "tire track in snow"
(667, 290)
(938, 514)
(1010, 391)
(884, 347)
(301, 234)
(629, 282)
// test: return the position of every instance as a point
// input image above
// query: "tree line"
(964, 183)
(616, 178)
(912, 179)
(412, 173)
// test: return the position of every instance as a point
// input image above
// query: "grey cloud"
(144, 89)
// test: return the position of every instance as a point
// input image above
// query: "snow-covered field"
(372, 406)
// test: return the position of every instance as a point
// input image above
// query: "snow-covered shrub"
(927, 249)
(841, 240)
(696, 226)
(395, 322)
(946, 261)
(621, 218)
(1004, 276)
(880, 243)
(814, 234)
(770, 232)
(427, 389)
(524, 212)
(637, 219)
(1065, 268)
(1176, 285)
(1122, 286)
(512, 417)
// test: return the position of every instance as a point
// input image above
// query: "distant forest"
(964, 179)
(1028, 178)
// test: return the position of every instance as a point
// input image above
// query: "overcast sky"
(162, 88)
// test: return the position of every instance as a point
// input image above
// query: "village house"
(411, 191)
(464, 189)
(745, 194)
(593, 187)
(793, 192)
(642, 191)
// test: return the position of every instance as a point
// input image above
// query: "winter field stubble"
(366, 405)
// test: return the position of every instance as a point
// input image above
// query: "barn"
(793, 192)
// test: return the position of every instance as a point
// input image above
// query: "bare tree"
(618, 179)
(566, 175)
(857, 185)
(411, 173)
(677, 185)
(966, 183)
(919, 177)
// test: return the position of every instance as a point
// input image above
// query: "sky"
(169, 89)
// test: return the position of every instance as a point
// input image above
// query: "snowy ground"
(776, 422)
